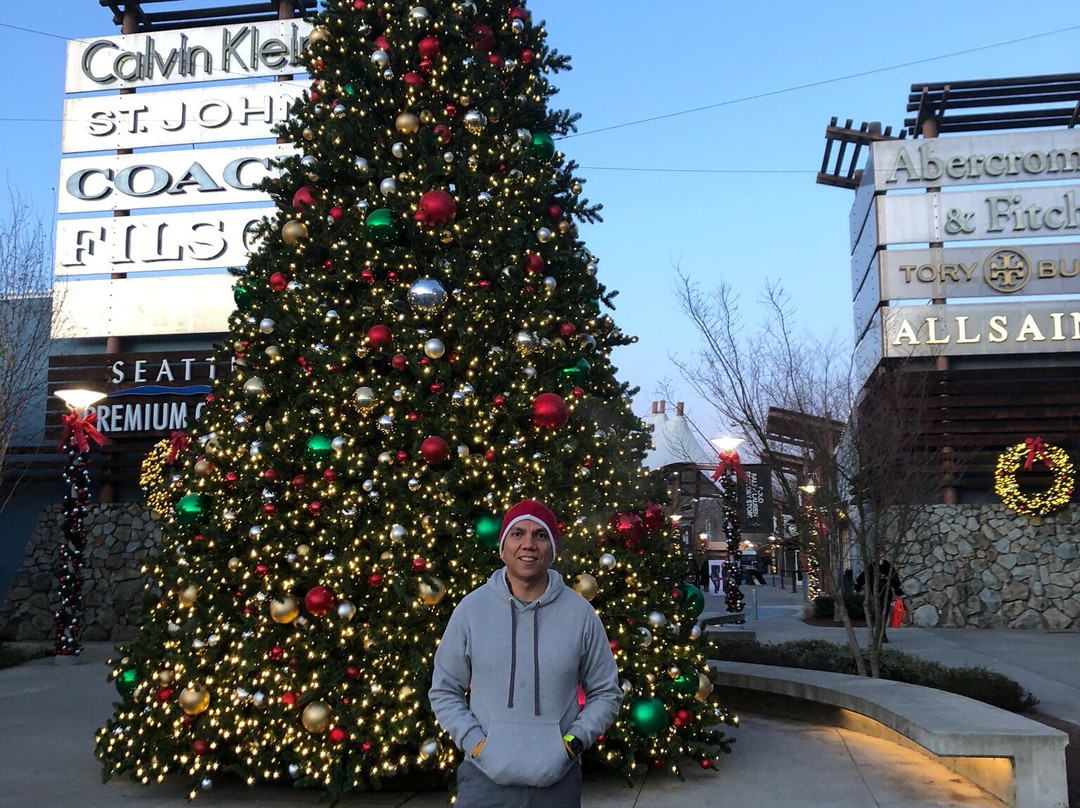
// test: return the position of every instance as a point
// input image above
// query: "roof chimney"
(679, 409)
(663, 405)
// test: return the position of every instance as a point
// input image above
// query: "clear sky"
(725, 192)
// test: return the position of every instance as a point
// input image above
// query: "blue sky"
(726, 192)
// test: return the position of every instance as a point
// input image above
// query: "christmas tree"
(418, 344)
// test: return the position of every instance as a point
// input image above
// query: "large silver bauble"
(434, 348)
(657, 619)
(346, 609)
(429, 748)
(475, 121)
(544, 235)
(254, 386)
(364, 398)
(380, 58)
(526, 342)
(386, 423)
(388, 186)
(418, 14)
(646, 636)
(607, 561)
(427, 295)
(362, 165)
(267, 325)
(398, 533)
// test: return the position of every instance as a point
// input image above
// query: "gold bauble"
(407, 123)
(292, 231)
(188, 595)
(704, 688)
(234, 564)
(316, 717)
(431, 591)
(319, 34)
(203, 467)
(586, 586)
(163, 677)
(674, 672)
(193, 700)
(302, 549)
(405, 692)
(285, 610)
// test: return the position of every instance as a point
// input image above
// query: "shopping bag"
(896, 614)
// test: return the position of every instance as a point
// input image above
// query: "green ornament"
(543, 146)
(578, 373)
(685, 686)
(242, 295)
(380, 225)
(126, 682)
(191, 508)
(350, 89)
(694, 599)
(487, 530)
(319, 446)
(595, 305)
(648, 716)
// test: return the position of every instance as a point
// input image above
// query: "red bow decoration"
(1036, 451)
(728, 461)
(79, 429)
(178, 442)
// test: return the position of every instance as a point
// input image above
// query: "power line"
(34, 31)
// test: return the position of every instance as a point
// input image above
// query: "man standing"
(520, 645)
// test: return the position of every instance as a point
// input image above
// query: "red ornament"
(489, 456)
(290, 697)
(414, 79)
(328, 265)
(550, 411)
(496, 60)
(338, 735)
(518, 14)
(276, 653)
(435, 450)
(279, 281)
(499, 401)
(319, 600)
(567, 329)
(231, 477)
(336, 213)
(706, 763)
(683, 718)
(304, 198)
(555, 212)
(413, 416)
(578, 392)
(380, 336)
(485, 37)
(365, 747)
(443, 133)
(629, 528)
(536, 263)
(429, 47)
(299, 481)
(315, 508)
(399, 362)
(201, 747)
(262, 570)
(367, 276)
(329, 475)
(402, 456)
(382, 43)
(164, 693)
(615, 647)
(269, 508)
(437, 388)
(527, 56)
(375, 580)
(419, 564)
(270, 476)
(352, 672)
(655, 519)
(436, 208)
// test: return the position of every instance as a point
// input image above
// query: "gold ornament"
(293, 231)
(705, 687)
(586, 586)
(164, 677)
(674, 672)
(188, 595)
(194, 700)
(316, 716)
(405, 692)
(203, 467)
(234, 564)
(319, 34)
(407, 123)
(431, 591)
(285, 610)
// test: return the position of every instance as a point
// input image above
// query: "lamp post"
(79, 429)
(728, 471)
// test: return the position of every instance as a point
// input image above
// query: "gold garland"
(152, 477)
(1010, 462)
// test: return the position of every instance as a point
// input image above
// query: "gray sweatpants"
(476, 790)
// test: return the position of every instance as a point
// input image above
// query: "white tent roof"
(674, 443)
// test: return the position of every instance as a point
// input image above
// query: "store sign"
(157, 242)
(213, 53)
(175, 118)
(976, 160)
(167, 179)
(755, 500)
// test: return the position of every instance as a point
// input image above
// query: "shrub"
(981, 684)
(824, 608)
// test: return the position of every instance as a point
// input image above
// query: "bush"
(824, 608)
(12, 654)
(981, 684)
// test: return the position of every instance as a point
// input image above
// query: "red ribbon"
(1036, 451)
(178, 442)
(78, 429)
(728, 461)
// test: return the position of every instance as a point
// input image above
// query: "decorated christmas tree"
(419, 343)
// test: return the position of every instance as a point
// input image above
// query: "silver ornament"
(364, 398)
(434, 348)
(429, 748)
(418, 14)
(458, 398)
(267, 325)
(530, 372)
(414, 484)
(337, 444)
(517, 25)
(607, 561)
(272, 351)
(388, 186)
(380, 59)
(475, 121)
(398, 394)
(362, 165)
(427, 295)
(386, 423)
(255, 531)
(526, 342)
(463, 451)
(627, 688)
(294, 771)
(254, 386)
(657, 619)
(398, 533)
(448, 157)
(483, 197)
(369, 485)
(695, 632)
(385, 458)
(646, 636)
(398, 150)
(346, 610)
(544, 235)
(550, 283)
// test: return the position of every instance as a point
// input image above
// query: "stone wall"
(121, 539)
(983, 566)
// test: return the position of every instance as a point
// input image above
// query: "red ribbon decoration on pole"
(79, 429)
(728, 461)
(1036, 451)
(178, 442)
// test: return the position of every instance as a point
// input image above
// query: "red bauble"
(414, 79)
(485, 37)
(399, 362)
(443, 133)
(231, 477)
(629, 528)
(338, 736)
(304, 198)
(550, 411)
(315, 508)
(269, 508)
(437, 388)
(279, 281)
(435, 450)
(375, 580)
(380, 336)
(290, 697)
(496, 60)
(518, 14)
(271, 476)
(527, 56)
(365, 747)
(706, 763)
(615, 647)
(499, 401)
(328, 265)
(419, 564)
(329, 475)
(276, 653)
(436, 208)
(336, 213)
(429, 47)
(655, 519)
(299, 481)
(567, 330)
(353, 672)
(201, 747)
(319, 600)
(683, 718)
(262, 570)
(489, 456)
(402, 456)
(554, 211)
(579, 392)
(382, 43)
(536, 263)
(164, 693)
(367, 276)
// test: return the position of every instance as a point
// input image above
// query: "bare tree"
(845, 456)
(25, 306)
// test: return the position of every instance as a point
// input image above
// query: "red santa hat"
(538, 512)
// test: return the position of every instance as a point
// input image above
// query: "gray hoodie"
(524, 662)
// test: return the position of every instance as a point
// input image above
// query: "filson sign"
(177, 57)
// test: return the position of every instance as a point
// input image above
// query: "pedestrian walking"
(507, 672)
(888, 588)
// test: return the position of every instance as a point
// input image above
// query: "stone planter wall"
(983, 566)
(122, 538)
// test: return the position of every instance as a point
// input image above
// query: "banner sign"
(755, 500)
(182, 56)
(178, 117)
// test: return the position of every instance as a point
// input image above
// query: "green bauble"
(126, 682)
(191, 508)
(380, 225)
(695, 600)
(685, 686)
(241, 295)
(543, 146)
(487, 530)
(578, 373)
(648, 716)
(319, 446)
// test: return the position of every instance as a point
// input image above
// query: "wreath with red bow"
(1025, 455)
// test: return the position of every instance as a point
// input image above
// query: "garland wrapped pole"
(79, 429)
(728, 473)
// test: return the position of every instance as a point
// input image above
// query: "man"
(888, 589)
(523, 643)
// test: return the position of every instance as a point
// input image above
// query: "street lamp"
(78, 430)
(727, 474)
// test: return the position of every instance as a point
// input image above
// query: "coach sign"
(178, 57)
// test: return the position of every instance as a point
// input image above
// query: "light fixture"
(727, 444)
(809, 488)
(78, 398)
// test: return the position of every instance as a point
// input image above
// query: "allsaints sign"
(178, 57)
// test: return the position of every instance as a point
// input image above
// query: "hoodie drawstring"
(513, 658)
(513, 653)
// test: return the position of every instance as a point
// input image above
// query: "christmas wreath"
(1025, 455)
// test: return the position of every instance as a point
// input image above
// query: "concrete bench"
(1019, 761)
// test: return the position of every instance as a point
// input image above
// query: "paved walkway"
(48, 714)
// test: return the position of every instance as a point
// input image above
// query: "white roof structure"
(674, 444)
